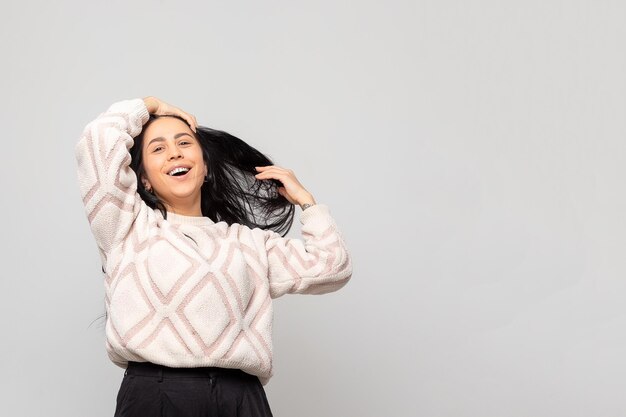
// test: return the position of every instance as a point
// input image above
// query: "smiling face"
(173, 165)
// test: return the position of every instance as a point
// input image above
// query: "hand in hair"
(161, 108)
(292, 190)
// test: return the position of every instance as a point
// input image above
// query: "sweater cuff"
(135, 107)
(142, 112)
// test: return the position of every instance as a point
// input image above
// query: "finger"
(265, 176)
(273, 172)
(274, 168)
(190, 121)
(283, 174)
(175, 111)
(283, 179)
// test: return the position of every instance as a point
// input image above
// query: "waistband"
(162, 371)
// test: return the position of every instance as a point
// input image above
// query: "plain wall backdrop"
(473, 153)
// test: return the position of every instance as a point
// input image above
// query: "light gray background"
(472, 152)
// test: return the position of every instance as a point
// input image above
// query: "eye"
(183, 142)
(157, 148)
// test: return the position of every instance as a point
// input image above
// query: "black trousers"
(151, 390)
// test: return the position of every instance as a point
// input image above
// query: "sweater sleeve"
(107, 183)
(316, 265)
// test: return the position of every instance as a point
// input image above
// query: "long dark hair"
(230, 193)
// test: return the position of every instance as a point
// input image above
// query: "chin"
(184, 193)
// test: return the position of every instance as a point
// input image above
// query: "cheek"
(151, 167)
(200, 160)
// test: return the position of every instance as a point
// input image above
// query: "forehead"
(165, 127)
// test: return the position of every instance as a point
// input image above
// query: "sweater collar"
(193, 220)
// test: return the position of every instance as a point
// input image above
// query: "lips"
(179, 176)
(176, 171)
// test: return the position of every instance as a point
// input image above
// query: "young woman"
(187, 222)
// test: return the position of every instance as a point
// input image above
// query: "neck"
(184, 208)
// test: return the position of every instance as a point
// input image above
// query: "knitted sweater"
(187, 291)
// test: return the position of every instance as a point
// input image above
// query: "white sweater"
(186, 291)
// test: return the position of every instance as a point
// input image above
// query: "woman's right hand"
(161, 108)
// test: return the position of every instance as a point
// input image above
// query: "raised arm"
(316, 265)
(107, 183)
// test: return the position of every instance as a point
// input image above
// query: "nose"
(175, 153)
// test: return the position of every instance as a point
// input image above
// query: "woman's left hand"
(292, 190)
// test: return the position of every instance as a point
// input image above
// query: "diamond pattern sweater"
(187, 291)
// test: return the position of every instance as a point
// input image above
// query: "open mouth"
(179, 172)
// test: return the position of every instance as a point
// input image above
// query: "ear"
(146, 183)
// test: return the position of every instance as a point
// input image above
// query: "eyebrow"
(176, 136)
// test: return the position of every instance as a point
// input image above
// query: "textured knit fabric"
(187, 291)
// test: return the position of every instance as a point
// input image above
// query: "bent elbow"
(340, 274)
(342, 269)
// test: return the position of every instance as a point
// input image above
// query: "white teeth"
(177, 170)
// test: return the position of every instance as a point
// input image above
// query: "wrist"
(308, 199)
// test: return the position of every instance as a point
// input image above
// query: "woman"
(186, 220)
